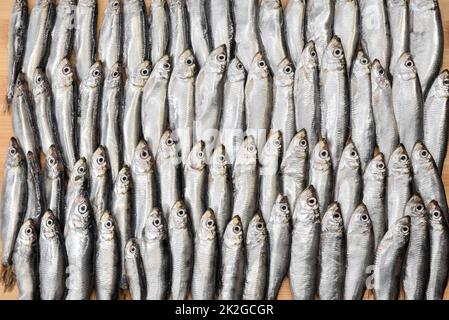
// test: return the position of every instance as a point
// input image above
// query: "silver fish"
(181, 251)
(54, 183)
(100, 183)
(399, 184)
(305, 245)
(145, 196)
(269, 181)
(78, 181)
(245, 182)
(346, 27)
(319, 24)
(13, 207)
(321, 174)
(89, 107)
(374, 187)
(52, 259)
(232, 261)
(205, 258)
(179, 39)
(221, 24)
(155, 103)
(436, 119)
(85, 45)
(375, 31)
(209, 97)
(438, 252)
(363, 131)
(294, 28)
(18, 25)
(107, 259)
(159, 32)
(359, 252)
(307, 95)
(408, 102)
(110, 40)
(134, 270)
(135, 40)
(332, 255)
(416, 262)
(36, 196)
(198, 30)
(279, 239)
(387, 134)
(110, 117)
(132, 110)
(389, 259)
(426, 39)
(25, 259)
(398, 15)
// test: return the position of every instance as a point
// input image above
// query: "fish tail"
(8, 278)
(123, 295)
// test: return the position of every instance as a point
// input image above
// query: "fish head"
(15, 153)
(350, 157)
(257, 231)
(307, 207)
(236, 71)
(220, 162)
(100, 162)
(123, 183)
(361, 66)
(399, 162)
(436, 215)
(106, 227)
(53, 163)
(233, 235)
(27, 236)
(114, 7)
(186, 66)
(441, 85)
(140, 75)
(415, 208)
(401, 231)
(273, 146)
(80, 218)
(259, 67)
(168, 147)
(208, 226)
(379, 75)
(309, 57)
(405, 67)
(114, 78)
(285, 73)
(280, 213)
(333, 219)
(179, 218)
(143, 159)
(65, 75)
(95, 76)
(299, 146)
(40, 83)
(271, 4)
(80, 171)
(360, 221)
(377, 168)
(197, 156)
(247, 154)
(132, 250)
(321, 159)
(154, 228)
(50, 228)
(163, 68)
(217, 60)
(421, 157)
(21, 87)
(334, 56)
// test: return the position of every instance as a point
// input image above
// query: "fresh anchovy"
(181, 101)
(319, 24)
(38, 37)
(121, 208)
(181, 251)
(18, 25)
(89, 107)
(13, 207)
(159, 32)
(321, 174)
(209, 96)
(134, 270)
(107, 259)
(375, 31)
(359, 253)
(269, 163)
(332, 255)
(436, 113)
(389, 260)
(205, 258)
(54, 183)
(427, 180)
(398, 15)
(270, 26)
(349, 183)
(78, 181)
(155, 104)
(399, 184)
(233, 115)
(52, 260)
(232, 261)
(346, 27)
(246, 35)
(283, 117)
(408, 102)
(179, 39)
(279, 239)
(305, 245)
(307, 95)
(80, 243)
(426, 39)
(294, 167)
(258, 98)
(135, 41)
(65, 98)
(198, 30)
(132, 110)
(374, 187)
(438, 252)
(245, 181)
(23, 119)
(294, 28)
(85, 45)
(36, 197)
(100, 182)
(221, 24)
(110, 117)
(168, 172)
(363, 131)
(145, 184)
(62, 36)
(387, 134)
(110, 41)
(25, 259)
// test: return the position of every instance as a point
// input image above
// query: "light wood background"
(5, 119)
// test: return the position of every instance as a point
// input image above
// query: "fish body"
(135, 40)
(398, 15)
(319, 24)
(294, 28)
(54, 184)
(179, 39)
(134, 270)
(159, 29)
(36, 196)
(100, 183)
(221, 24)
(110, 40)
(346, 27)
(79, 181)
(198, 30)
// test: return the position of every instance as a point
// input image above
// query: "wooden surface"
(5, 119)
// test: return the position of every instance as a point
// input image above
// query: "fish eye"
(123, 179)
(324, 154)
(262, 64)
(239, 66)
(336, 216)
(39, 79)
(100, 160)
(436, 214)
(210, 223)
(200, 154)
(66, 70)
(405, 229)
(364, 61)
(419, 207)
(283, 207)
(381, 72)
(221, 57)
(181, 213)
(403, 158)
(446, 82)
(51, 161)
(96, 73)
(81, 170)
(424, 154)
(144, 154)
(337, 52)
(251, 148)
(353, 154)
(28, 231)
(277, 143)
(115, 4)
(409, 64)
(221, 158)
(157, 222)
(166, 66)
(19, 82)
(236, 229)
(133, 249)
(311, 201)
(313, 53)
(303, 142)
(170, 142)
(288, 69)
(259, 226)
(189, 61)
(83, 208)
(380, 166)
(12, 151)
(144, 72)
(115, 74)
(364, 217)
(108, 224)
(50, 222)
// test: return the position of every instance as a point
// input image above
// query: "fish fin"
(8, 278)
(123, 294)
